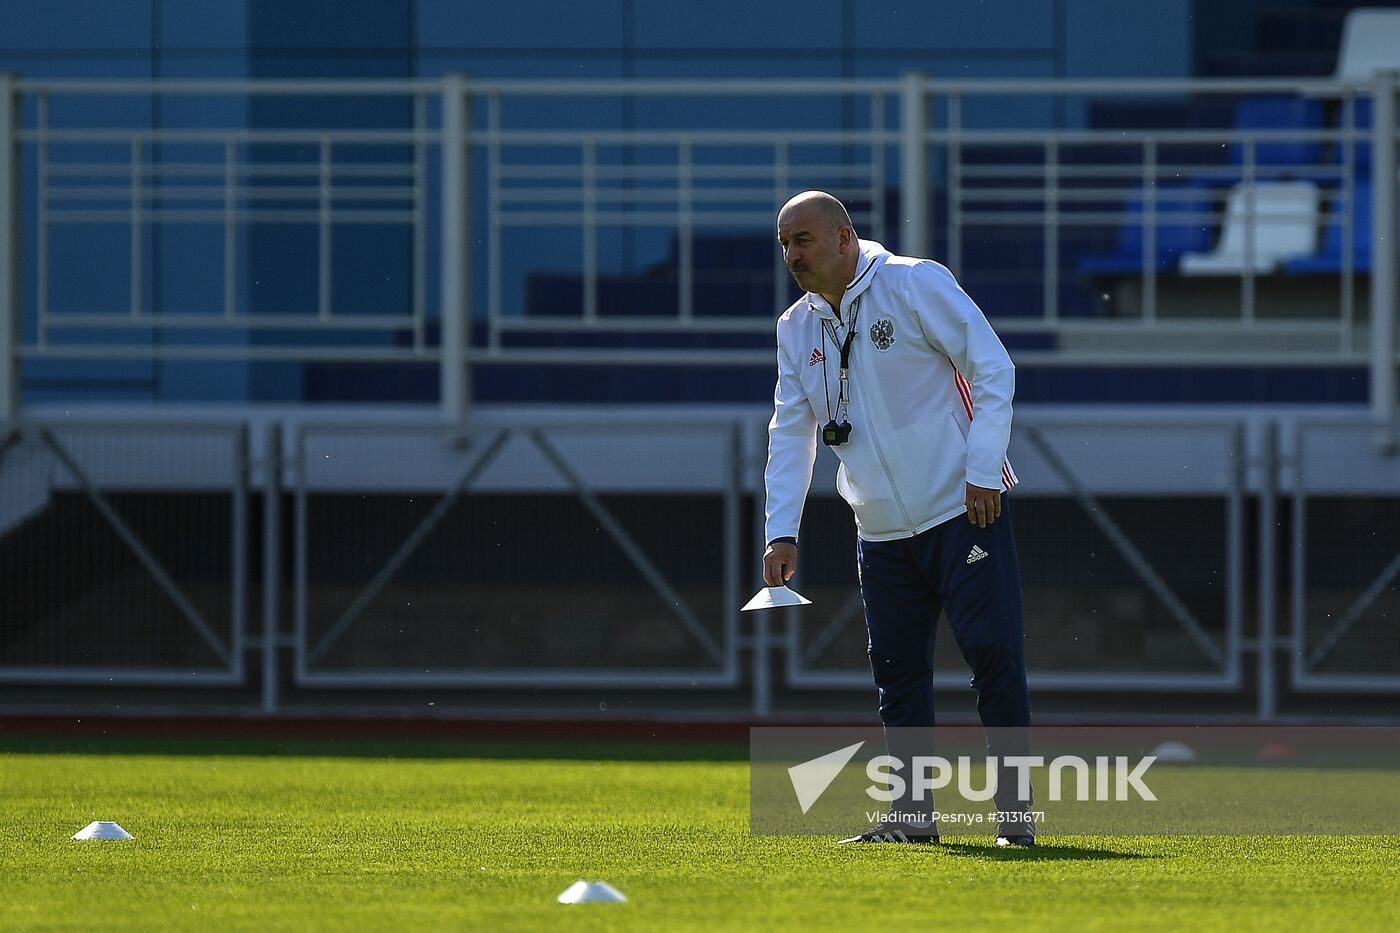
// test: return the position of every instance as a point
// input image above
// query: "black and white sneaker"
(1024, 841)
(1014, 832)
(894, 834)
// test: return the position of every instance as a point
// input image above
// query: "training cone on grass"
(1178, 752)
(591, 892)
(102, 829)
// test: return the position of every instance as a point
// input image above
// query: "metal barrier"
(1345, 561)
(525, 550)
(1001, 155)
(178, 156)
(101, 584)
(529, 170)
(531, 553)
(1106, 551)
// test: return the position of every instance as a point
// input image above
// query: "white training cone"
(102, 829)
(1169, 752)
(589, 892)
(771, 597)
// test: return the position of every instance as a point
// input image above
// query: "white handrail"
(928, 136)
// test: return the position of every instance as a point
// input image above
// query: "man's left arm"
(954, 324)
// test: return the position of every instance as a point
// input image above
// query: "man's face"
(812, 249)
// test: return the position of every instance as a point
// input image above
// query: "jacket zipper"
(865, 409)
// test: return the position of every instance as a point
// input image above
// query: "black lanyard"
(843, 393)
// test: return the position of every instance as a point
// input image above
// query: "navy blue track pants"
(973, 575)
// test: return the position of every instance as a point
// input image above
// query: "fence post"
(1265, 642)
(456, 263)
(913, 193)
(9, 248)
(1383, 233)
(272, 562)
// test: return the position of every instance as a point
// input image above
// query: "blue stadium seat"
(1278, 113)
(1329, 259)
(1174, 236)
(1279, 216)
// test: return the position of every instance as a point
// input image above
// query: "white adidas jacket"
(924, 362)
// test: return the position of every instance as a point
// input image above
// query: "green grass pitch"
(467, 836)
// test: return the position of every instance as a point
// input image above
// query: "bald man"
(886, 360)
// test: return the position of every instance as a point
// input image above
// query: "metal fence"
(123, 551)
(1345, 562)
(526, 554)
(1132, 548)
(531, 551)
(564, 218)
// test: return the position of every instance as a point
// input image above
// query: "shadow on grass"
(1044, 852)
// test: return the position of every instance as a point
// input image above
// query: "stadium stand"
(1181, 228)
(1330, 259)
(1265, 224)
(1278, 158)
(1370, 41)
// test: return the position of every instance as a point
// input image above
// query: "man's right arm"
(792, 449)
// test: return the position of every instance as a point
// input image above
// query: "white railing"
(601, 179)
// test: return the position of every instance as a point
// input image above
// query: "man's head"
(819, 243)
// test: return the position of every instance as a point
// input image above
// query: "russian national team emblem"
(882, 334)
